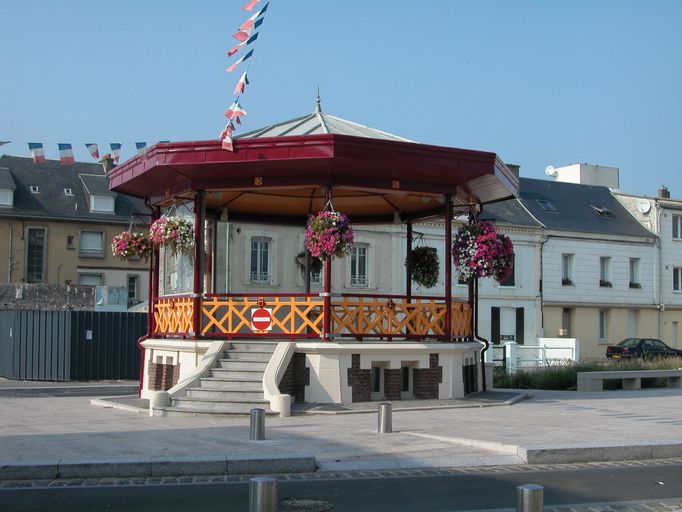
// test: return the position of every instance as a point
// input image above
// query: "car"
(646, 348)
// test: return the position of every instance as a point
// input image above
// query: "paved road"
(638, 487)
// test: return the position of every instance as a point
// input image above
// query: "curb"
(65, 391)
(601, 452)
(149, 467)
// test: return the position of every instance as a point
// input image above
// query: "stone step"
(233, 384)
(251, 355)
(242, 345)
(243, 374)
(234, 406)
(175, 411)
(226, 395)
(242, 364)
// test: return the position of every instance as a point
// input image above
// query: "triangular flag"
(226, 137)
(115, 151)
(141, 147)
(250, 5)
(235, 111)
(236, 48)
(241, 85)
(93, 149)
(37, 152)
(243, 35)
(239, 61)
(65, 154)
(248, 23)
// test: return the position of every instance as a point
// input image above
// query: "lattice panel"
(174, 316)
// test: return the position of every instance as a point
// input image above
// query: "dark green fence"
(70, 345)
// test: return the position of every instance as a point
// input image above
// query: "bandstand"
(326, 346)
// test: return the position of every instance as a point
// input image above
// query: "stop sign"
(261, 319)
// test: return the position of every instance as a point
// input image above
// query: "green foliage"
(563, 375)
(425, 266)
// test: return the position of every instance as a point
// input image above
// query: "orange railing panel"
(173, 315)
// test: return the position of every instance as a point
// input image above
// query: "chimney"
(663, 192)
(515, 169)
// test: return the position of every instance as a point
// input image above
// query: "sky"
(537, 82)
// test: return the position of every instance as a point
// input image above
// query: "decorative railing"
(302, 316)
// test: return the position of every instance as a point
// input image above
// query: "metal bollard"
(530, 498)
(263, 494)
(257, 430)
(385, 419)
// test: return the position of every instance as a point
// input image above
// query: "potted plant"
(480, 251)
(128, 245)
(425, 266)
(315, 263)
(328, 234)
(174, 233)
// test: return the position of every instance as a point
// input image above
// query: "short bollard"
(257, 430)
(385, 420)
(530, 498)
(263, 494)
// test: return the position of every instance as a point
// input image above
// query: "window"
(546, 205)
(677, 227)
(69, 242)
(677, 279)
(358, 266)
(605, 271)
(35, 256)
(6, 197)
(102, 204)
(34, 189)
(133, 293)
(260, 260)
(634, 273)
(68, 192)
(510, 281)
(603, 317)
(566, 269)
(91, 244)
(406, 379)
(91, 279)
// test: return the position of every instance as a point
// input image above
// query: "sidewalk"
(67, 437)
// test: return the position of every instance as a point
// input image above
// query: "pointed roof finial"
(318, 102)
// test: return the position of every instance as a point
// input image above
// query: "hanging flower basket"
(480, 251)
(425, 266)
(315, 264)
(174, 233)
(328, 234)
(128, 245)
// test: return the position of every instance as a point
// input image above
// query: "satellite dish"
(644, 206)
(550, 171)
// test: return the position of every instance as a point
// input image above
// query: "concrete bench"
(594, 381)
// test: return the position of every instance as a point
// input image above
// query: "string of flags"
(37, 150)
(246, 34)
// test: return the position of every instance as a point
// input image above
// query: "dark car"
(641, 347)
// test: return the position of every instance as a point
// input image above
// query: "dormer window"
(34, 189)
(68, 192)
(6, 197)
(101, 204)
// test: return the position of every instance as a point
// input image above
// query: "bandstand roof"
(279, 173)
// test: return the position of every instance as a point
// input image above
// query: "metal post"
(257, 430)
(448, 268)
(263, 494)
(530, 498)
(385, 418)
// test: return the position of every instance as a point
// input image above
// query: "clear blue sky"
(537, 82)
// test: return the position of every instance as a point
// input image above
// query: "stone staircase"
(234, 385)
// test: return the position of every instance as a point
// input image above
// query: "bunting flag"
(226, 136)
(239, 61)
(250, 22)
(37, 152)
(141, 147)
(3, 142)
(241, 85)
(236, 48)
(93, 149)
(250, 5)
(235, 112)
(65, 154)
(115, 151)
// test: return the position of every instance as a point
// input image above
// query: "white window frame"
(43, 272)
(634, 273)
(260, 276)
(677, 279)
(97, 275)
(102, 204)
(567, 262)
(677, 227)
(604, 270)
(135, 298)
(6, 197)
(84, 252)
(356, 279)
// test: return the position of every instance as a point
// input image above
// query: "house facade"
(56, 227)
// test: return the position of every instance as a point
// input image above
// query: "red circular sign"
(261, 319)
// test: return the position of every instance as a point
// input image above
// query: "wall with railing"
(547, 352)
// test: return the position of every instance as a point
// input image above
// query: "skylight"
(602, 211)
(546, 205)
(34, 189)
